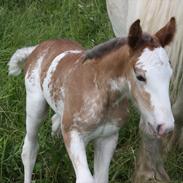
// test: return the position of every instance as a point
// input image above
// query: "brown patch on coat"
(147, 100)
(59, 76)
(55, 49)
(77, 115)
(118, 109)
(34, 56)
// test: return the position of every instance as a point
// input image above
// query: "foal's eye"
(141, 78)
(170, 63)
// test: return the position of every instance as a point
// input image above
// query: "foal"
(89, 90)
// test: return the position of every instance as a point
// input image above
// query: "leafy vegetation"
(28, 22)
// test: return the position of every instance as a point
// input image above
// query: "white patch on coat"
(90, 109)
(32, 82)
(117, 84)
(158, 72)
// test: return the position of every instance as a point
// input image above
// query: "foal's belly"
(107, 129)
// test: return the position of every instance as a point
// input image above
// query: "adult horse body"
(88, 91)
(153, 15)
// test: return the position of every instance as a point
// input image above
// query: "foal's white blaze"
(158, 72)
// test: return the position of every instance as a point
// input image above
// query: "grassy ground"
(26, 22)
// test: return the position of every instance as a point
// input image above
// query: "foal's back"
(49, 50)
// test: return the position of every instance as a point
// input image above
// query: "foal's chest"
(115, 117)
(100, 116)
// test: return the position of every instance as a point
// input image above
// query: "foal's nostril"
(162, 129)
(159, 128)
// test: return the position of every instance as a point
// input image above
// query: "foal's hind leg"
(35, 110)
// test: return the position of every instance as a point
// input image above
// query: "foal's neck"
(115, 64)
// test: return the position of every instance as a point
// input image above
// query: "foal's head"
(149, 76)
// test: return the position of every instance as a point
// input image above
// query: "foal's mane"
(104, 48)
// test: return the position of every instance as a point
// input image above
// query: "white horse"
(154, 14)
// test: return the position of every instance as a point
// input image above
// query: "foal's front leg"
(104, 149)
(77, 153)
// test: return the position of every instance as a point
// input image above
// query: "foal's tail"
(18, 58)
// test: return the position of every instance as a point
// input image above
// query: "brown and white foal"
(89, 91)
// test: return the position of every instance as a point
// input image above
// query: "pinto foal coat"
(89, 91)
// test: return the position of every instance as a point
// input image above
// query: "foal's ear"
(135, 34)
(166, 34)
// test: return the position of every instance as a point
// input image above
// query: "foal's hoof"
(160, 176)
(150, 180)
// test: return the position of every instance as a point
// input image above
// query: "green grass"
(26, 22)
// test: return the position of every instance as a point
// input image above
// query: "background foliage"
(28, 22)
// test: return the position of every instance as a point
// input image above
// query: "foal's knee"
(30, 147)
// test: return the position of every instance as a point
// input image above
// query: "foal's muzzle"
(162, 129)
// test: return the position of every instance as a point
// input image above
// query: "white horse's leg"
(76, 148)
(104, 149)
(118, 14)
(35, 110)
(177, 112)
(149, 165)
